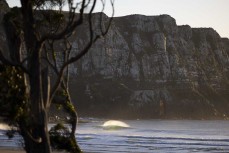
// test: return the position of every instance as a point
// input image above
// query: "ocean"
(146, 136)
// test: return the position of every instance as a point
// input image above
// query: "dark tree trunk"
(38, 140)
(35, 135)
(41, 143)
(35, 132)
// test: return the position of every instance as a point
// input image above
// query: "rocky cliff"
(3, 9)
(145, 59)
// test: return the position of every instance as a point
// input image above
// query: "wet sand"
(8, 150)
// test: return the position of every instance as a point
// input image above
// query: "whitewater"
(146, 136)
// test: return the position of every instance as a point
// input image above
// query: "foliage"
(61, 139)
(13, 99)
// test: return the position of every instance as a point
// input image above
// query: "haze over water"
(148, 136)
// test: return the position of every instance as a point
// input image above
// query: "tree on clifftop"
(38, 36)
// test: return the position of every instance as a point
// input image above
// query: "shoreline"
(11, 150)
(82, 117)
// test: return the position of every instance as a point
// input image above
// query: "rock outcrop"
(145, 59)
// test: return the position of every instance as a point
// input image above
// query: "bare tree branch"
(10, 63)
(92, 40)
(70, 25)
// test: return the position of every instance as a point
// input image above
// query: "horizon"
(195, 13)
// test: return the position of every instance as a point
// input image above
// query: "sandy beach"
(8, 150)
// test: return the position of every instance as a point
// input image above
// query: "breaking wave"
(114, 125)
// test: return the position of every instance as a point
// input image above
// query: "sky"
(196, 13)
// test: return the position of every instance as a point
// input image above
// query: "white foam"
(4, 126)
(114, 124)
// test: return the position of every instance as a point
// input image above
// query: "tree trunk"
(37, 144)
(39, 138)
(36, 134)
(34, 131)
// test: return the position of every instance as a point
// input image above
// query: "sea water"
(147, 136)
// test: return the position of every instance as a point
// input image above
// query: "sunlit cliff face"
(147, 58)
(143, 59)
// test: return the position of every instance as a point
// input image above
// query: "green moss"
(61, 139)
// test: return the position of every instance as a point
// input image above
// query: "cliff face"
(4, 8)
(145, 59)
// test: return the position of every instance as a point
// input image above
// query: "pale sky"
(196, 13)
